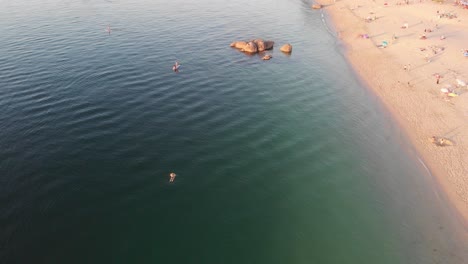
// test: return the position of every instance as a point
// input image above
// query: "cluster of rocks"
(259, 45)
(254, 46)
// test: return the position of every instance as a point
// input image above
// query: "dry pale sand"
(413, 95)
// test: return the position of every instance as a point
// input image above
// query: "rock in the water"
(250, 47)
(238, 44)
(268, 44)
(316, 6)
(267, 57)
(260, 44)
(287, 48)
(254, 46)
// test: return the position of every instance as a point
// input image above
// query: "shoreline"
(403, 80)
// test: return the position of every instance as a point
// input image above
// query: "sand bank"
(407, 53)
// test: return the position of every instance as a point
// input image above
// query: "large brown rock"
(263, 45)
(287, 48)
(268, 44)
(260, 44)
(238, 44)
(254, 46)
(250, 47)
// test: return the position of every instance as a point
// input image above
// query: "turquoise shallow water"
(286, 161)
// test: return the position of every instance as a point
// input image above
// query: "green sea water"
(290, 160)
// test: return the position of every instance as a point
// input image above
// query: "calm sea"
(290, 160)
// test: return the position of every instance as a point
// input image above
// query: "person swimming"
(108, 29)
(172, 177)
(176, 66)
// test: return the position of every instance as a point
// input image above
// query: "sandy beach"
(412, 55)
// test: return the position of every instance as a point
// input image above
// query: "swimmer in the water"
(172, 175)
(176, 66)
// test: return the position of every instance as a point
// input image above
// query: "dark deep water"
(285, 161)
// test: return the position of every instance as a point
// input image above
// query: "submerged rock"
(267, 57)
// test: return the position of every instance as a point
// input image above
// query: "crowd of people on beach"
(429, 52)
(421, 75)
